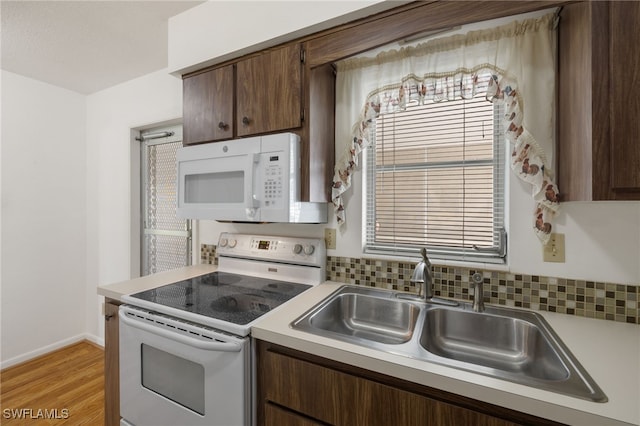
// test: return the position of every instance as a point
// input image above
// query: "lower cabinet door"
(277, 416)
(111, 363)
(317, 395)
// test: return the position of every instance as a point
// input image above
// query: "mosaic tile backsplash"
(608, 301)
(208, 254)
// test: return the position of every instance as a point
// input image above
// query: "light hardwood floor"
(65, 387)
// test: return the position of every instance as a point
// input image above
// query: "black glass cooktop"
(234, 298)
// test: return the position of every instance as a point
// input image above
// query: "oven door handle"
(209, 346)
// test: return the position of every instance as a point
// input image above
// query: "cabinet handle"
(222, 125)
(108, 317)
(245, 121)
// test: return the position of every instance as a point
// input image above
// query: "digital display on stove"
(263, 245)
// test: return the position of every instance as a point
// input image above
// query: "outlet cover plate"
(330, 238)
(553, 251)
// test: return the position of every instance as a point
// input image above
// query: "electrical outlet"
(553, 251)
(330, 238)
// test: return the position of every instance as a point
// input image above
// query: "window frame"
(148, 139)
(496, 254)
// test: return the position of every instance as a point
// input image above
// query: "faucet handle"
(425, 259)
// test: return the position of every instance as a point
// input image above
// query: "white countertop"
(609, 351)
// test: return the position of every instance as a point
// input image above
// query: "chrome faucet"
(478, 292)
(422, 278)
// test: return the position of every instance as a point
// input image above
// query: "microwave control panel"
(273, 182)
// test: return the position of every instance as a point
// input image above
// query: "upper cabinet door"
(208, 106)
(625, 96)
(269, 91)
(599, 101)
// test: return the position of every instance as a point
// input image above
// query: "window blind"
(436, 178)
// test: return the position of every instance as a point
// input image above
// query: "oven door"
(178, 373)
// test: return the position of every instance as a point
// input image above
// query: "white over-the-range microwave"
(254, 179)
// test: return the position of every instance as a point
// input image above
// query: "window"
(435, 178)
(166, 239)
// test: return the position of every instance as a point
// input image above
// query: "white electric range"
(185, 354)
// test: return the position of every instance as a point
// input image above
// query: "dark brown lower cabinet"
(299, 389)
(111, 363)
(276, 415)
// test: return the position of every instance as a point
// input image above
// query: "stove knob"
(297, 249)
(223, 242)
(308, 250)
(232, 243)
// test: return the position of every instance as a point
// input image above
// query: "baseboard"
(50, 348)
(94, 339)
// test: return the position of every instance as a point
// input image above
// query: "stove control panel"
(304, 251)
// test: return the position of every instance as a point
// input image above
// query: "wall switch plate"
(330, 238)
(553, 251)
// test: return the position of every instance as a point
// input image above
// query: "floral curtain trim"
(528, 161)
(527, 158)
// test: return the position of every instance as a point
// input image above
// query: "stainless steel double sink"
(509, 344)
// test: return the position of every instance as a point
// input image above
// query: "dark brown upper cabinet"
(274, 90)
(269, 91)
(599, 101)
(264, 95)
(208, 106)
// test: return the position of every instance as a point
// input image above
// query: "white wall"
(66, 209)
(66, 204)
(43, 217)
(602, 238)
(111, 114)
(219, 30)
(157, 98)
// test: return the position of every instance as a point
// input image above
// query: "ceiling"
(87, 45)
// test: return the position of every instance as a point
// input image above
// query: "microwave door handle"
(250, 193)
(209, 346)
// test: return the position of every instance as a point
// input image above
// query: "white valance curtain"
(519, 56)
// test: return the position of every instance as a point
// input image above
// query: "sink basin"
(511, 345)
(508, 344)
(364, 317)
